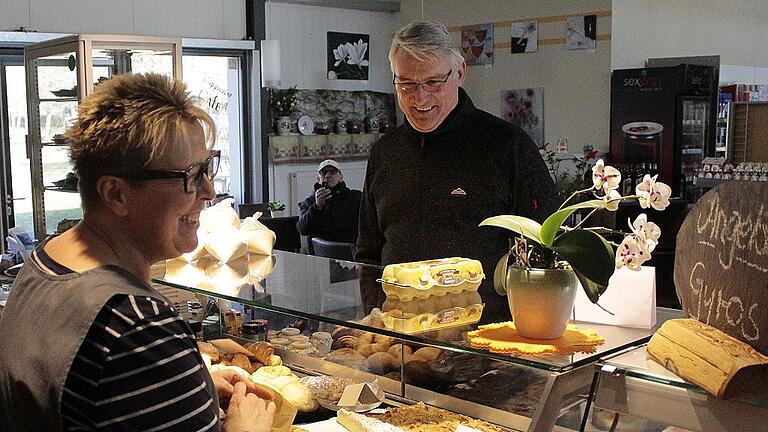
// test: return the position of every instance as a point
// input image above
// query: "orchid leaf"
(521, 225)
(552, 225)
(500, 275)
(587, 253)
(592, 289)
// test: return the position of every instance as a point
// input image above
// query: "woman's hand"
(225, 379)
(247, 412)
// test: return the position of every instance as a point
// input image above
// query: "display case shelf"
(631, 383)
(523, 392)
(70, 67)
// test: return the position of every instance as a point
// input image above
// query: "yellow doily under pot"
(503, 338)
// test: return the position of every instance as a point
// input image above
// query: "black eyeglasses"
(325, 171)
(431, 86)
(192, 179)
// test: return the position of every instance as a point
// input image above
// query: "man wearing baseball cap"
(331, 212)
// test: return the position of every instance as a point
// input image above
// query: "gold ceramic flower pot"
(541, 300)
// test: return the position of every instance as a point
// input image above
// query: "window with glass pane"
(216, 81)
(17, 131)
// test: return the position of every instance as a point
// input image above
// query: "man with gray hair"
(432, 180)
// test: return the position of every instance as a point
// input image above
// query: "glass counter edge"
(400, 336)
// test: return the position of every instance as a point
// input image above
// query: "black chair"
(332, 249)
(246, 210)
(288, 238)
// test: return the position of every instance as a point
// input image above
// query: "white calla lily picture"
(348, 56)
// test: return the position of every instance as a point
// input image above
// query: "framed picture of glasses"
(348, 56)
(477, 44)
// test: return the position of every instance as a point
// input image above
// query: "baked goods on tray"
(425, 418)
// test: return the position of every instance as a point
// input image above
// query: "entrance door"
(15, 183)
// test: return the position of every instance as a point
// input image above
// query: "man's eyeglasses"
(431, 86)
(325, 171)
(192, 176)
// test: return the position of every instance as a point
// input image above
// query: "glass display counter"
(61, 73)
(630, 383)
(521, 392)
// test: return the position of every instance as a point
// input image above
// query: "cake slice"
(354, 422)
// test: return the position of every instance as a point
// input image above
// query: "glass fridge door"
(693, 142)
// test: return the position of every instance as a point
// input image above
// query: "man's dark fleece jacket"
(425, 193)
(337, 221)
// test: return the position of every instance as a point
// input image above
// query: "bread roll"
(365, 338)
(397, 348)
(380, 346)
(346, 341)
(261, 351)
(427, 353)
(241, 361)
(284, 380)
(210, 350)
(271, 372)
(365, 350)
(300, 396)
(381, 363)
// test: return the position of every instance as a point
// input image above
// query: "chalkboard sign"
(721, 264)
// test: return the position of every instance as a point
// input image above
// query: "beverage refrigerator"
(664, 116)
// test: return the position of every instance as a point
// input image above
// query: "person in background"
(331, 213)
(432, 180)
(86, 343)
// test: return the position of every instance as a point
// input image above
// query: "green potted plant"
(282, 103)
(551, 259)
(276, 208)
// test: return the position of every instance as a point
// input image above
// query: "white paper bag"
(631, 296)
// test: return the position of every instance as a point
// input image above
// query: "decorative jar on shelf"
(341, 126)
(283, 125)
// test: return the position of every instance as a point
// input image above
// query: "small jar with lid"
(303, 347)
(255, 330)
(280, 343)
(299, 338)
(322, 342)
(289, 331)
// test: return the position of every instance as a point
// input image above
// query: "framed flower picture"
(348, 56)
(524, 108)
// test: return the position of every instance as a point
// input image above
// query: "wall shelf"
(314, 148)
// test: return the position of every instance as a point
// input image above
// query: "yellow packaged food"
(421, 279)
(432, 313)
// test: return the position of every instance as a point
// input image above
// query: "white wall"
(212, 19)
(301, 31)
(734, 29)
(575, 82)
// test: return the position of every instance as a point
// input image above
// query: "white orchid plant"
(583, 249)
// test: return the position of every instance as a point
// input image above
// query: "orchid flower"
(646, 231)
(612, 200)
(605, 177)
(651, 193)
(631, 253)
